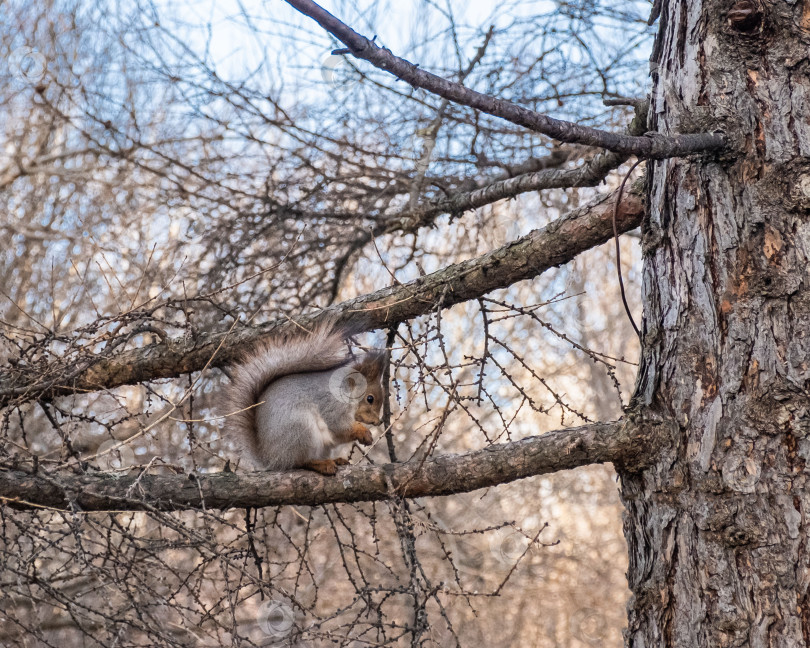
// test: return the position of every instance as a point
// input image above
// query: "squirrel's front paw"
(362, 434)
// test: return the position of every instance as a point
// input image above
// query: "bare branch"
(588, 175)
(625, 442)
(524, 258)
(532, 175)
(656, 146)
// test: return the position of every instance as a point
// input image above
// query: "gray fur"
(295, 420)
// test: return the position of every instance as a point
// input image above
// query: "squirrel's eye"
(370, 399)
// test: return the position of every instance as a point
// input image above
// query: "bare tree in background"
(175, 187)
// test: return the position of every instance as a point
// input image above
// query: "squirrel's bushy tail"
(322, 349)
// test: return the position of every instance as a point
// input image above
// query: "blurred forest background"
(169, 169)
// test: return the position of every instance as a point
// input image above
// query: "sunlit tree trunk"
(718, 527)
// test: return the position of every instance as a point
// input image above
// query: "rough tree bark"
(718, 527)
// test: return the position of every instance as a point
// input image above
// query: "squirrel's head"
(369, 407)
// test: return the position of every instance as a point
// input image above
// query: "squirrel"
(294, 399)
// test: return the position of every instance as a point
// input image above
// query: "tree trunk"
(718, 528)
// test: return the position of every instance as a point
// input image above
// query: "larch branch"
(625, 442)
(524, 258)
(587, 175)
(647, 146)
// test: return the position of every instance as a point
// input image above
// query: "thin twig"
(618, 251)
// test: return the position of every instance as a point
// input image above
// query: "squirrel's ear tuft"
(372, 364)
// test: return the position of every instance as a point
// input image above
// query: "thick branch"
(525, 258)
(588, 175)
(656, 147)
(622, 442)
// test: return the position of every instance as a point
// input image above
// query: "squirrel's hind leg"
(323, 466)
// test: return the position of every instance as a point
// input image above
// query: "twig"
(618, 251)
